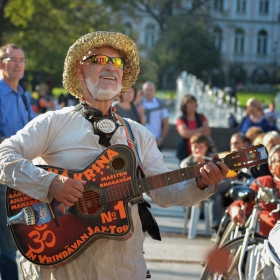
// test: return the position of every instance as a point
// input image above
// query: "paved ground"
(175, 257)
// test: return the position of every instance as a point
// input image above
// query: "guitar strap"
(148, 221)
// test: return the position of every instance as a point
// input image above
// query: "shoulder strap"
(148, 111)
(183, 118)
(24, 99)
(148, 222)
(130, 140)
(198, 119)
(161, 103)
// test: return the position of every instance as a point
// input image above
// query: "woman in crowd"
(189, 124)
(255, 117)
(127, 109)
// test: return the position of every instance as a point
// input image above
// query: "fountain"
(214, 103)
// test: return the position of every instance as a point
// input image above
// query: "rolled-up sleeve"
(17, 170)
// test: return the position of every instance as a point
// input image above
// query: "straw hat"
(122, 43)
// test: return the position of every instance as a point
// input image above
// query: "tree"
(186, 45)
(4, 23)
(184, 41)
(160, 10)
(45, 29)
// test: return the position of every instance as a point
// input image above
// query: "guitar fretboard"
(137, 187)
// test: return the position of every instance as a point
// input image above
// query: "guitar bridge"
(26, 216)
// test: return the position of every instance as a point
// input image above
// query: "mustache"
(110, 74)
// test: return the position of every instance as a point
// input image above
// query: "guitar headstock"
(255, 155)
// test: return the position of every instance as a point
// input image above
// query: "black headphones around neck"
(101, 124)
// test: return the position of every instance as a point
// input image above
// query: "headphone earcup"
(96, 129)
(105, 125)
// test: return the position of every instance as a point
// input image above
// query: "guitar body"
(52, 235)
(54, 242)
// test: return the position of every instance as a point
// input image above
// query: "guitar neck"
(137, 187)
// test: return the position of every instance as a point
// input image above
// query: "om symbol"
(40, 236)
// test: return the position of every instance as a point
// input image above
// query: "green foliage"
(46, 29)
(20, 17)
(186, 45)
(148, 72)
(264, 97)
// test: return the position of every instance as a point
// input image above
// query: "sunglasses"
(102, 59)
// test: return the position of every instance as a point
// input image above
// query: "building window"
(241, 6)
(150, 35)
(219, 5)
(217, 38)
(260, 76)
(263, 8)
(262, 41)
(239, 41)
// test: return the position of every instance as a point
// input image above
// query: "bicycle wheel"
(233, 249)
(229, 231)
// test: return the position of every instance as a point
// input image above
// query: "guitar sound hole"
(89, 204)
(118, 163)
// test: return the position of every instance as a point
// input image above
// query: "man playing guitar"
(98, 67)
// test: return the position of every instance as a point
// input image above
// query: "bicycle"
(227, 229)
(244, 252)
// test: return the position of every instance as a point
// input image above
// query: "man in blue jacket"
(15, 113)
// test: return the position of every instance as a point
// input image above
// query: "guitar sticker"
(42, 213)
(262, 153)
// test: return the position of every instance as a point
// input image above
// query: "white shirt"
(154, 121)
(64, 138)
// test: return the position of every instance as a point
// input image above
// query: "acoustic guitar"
(52, 235)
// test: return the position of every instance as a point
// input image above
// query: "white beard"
(99, 93)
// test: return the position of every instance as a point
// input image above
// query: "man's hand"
(238, 215)
(66, 190)
(211, 173)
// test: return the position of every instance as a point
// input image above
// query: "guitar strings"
(116, 190)
(122, 190)
(139, 186)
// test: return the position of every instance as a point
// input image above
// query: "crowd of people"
(100, 72)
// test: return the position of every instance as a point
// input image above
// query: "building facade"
(247, 33)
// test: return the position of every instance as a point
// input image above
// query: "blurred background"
(226, 44)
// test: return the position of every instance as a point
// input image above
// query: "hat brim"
(122, 43)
